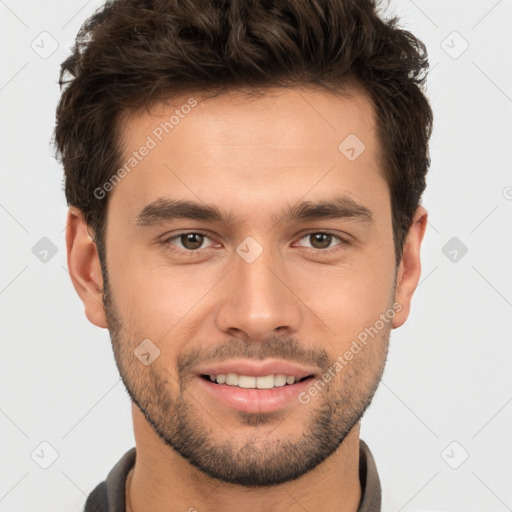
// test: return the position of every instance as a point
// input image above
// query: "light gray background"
(448, 374)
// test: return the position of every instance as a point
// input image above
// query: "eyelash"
(166, 243)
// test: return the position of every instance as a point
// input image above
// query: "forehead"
(279, 116)
(249, 150)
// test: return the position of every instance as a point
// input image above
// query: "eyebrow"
(340, 207)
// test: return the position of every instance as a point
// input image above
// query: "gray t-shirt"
(109, 495)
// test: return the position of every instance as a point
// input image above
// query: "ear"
(84, 267)
(409, 269)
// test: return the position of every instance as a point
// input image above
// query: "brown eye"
(320, 240)
(323, 242)
(192, 241)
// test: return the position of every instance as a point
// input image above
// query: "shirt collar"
(109, 496)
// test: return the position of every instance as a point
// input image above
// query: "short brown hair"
(132, 53)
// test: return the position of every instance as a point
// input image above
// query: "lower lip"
(255, 400)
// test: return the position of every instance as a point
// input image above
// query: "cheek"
(347, 299)
(155, 298)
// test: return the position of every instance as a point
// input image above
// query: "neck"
(162, 477)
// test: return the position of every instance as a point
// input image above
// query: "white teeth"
(232, 379)
(244, 381)
(250, 382)
(279, 380)
(266, 382)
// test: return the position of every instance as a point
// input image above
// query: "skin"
(252, 157)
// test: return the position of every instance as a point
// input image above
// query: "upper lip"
(257, 368)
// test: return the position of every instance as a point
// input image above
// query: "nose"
(259, 300)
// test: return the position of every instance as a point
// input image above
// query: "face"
(247, 243)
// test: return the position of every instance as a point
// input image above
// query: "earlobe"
(409, 270)
(84, 267)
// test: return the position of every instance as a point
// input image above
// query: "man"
(244, 181)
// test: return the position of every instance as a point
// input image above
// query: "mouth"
(246, 396)
(255, 382)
